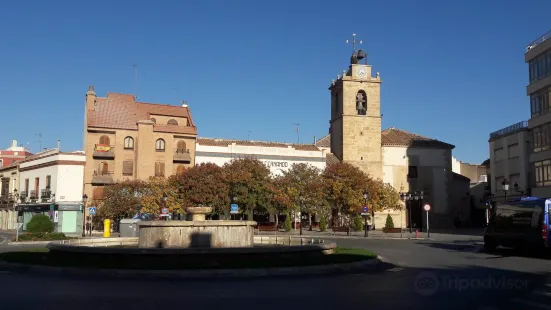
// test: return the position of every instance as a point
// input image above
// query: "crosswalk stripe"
(531, 303)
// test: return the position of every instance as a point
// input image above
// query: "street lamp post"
(366, 195)
(409, 198)
(301, 209)
(165, 198)
(84, 201)
(416, 198)
(16, 222)
(505, 185)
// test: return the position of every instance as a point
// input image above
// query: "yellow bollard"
(106, 228)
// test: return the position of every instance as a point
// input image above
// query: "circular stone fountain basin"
(196, 234)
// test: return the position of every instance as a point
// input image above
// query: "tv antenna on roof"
(249, 135)
(297, 129)
(39, 135)
(135, 80)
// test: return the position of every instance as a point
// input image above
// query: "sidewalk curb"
(365, 265)
(346, 237)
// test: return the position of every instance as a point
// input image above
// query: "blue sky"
(451, 70)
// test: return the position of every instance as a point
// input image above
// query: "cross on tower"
(353, 42)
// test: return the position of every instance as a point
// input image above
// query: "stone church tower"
(355, 126)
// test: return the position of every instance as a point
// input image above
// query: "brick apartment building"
(126, 139)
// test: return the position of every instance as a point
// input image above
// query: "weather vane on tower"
(358, 54)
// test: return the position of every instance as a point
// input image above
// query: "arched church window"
(361, 103)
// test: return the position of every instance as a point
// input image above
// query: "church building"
(409, 162)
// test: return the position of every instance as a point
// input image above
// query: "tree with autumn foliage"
(203, 185)
(383, 196)
(279, 201)
(121, 199)
(345, 185)
(152, 197)
(249, 181)
(305, 180)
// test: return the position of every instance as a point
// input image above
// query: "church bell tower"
(355, 124)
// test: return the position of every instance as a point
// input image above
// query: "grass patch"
(42, 256)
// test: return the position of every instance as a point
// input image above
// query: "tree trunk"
(310, 221)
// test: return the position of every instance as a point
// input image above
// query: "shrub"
(358, 224)
(389, 222)
(323, 224)
(41, 237)
(40, 224)
(288, 226)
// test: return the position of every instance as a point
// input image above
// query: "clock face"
(361, 73)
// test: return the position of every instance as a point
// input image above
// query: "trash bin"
(129, 227)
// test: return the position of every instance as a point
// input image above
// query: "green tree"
(203, 185)
(288, 225)
(358, 223)
(248, 180)
(323, 224)
(389, 221)
(40, 224)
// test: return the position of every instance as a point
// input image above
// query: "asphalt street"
(417, 274)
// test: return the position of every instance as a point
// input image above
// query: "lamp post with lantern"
(301, 200)
(366, 195)
(16, 222)
(84, 201)
(505, 185)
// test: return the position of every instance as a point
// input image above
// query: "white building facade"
(278, 157)
(50, 183)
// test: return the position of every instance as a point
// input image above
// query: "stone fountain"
(196, 232)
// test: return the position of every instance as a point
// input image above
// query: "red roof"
(121, 111)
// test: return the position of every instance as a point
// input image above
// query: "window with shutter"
(104, 140)
(159, 169)
(127, 168)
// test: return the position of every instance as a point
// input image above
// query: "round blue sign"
(165, 211)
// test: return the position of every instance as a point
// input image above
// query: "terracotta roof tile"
(226, 142)
(324, 142)
(121, 111)
(397, 137)
(331, 159)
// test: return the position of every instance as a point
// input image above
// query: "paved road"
(417, 275)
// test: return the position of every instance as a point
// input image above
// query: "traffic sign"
(164, 211)
(92, 210)
(234, 208)
(365, 210)
(426, 207)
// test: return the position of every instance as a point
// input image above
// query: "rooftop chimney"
(184, 104)
(58, 144)
(13, 143)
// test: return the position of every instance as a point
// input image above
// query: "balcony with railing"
(509, 130)
(23, 195)
(102, 177)
(33, 196)
(538, 41)
(104, 151)
(181, 155)
(45, 194)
